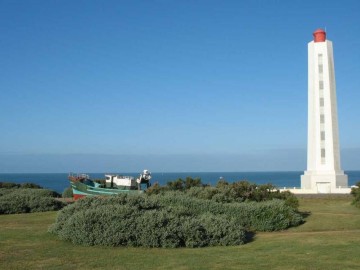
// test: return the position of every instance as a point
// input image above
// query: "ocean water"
(59, 181)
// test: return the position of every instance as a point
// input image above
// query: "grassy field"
(330, 239)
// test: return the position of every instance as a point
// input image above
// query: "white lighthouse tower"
(323, 174)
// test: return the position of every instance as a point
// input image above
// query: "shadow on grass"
(249, 237)
(305, 214)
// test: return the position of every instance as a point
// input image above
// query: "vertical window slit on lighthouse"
(321, 102)
(321, 84)
(320, 68)
(320, 58)
(322, 155)
(322, 119)
(322, 135)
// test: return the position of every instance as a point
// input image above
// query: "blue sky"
(168, 85)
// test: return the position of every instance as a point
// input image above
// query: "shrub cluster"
(28, 200)
(125, 220)
(356, 193)
(181, 184)
(269, 215)
(15, 185)
(173, 219)
(67, 193)
(225, 192)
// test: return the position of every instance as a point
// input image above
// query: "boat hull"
(81, 189)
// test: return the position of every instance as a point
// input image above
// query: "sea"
(58, 181)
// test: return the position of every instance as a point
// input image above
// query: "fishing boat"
(83, 186)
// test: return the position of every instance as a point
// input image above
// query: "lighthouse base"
(324, 183)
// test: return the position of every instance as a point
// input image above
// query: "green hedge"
(67, 193)
(225, 192)
(258, 216)
(171, 220)
(356, 193)
(15, 185)
(28, 200)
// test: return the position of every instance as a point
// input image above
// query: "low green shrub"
(179, 185)
(27, 200)
(355, 191)
(140, 220)
(30, 185)
(15, 185)
(154, 189)
(269, 215)
(172, 219)
(4, 191)
(225, 192)
(67, 193)
(9, 185)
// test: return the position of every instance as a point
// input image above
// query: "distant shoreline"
(59, 181)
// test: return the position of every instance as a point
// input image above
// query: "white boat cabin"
(119, 181)
(127, 182)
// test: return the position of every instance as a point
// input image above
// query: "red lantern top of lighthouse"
(319, 35)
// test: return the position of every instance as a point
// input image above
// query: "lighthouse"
(323, 174)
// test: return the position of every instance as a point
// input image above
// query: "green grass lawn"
(330, 239)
